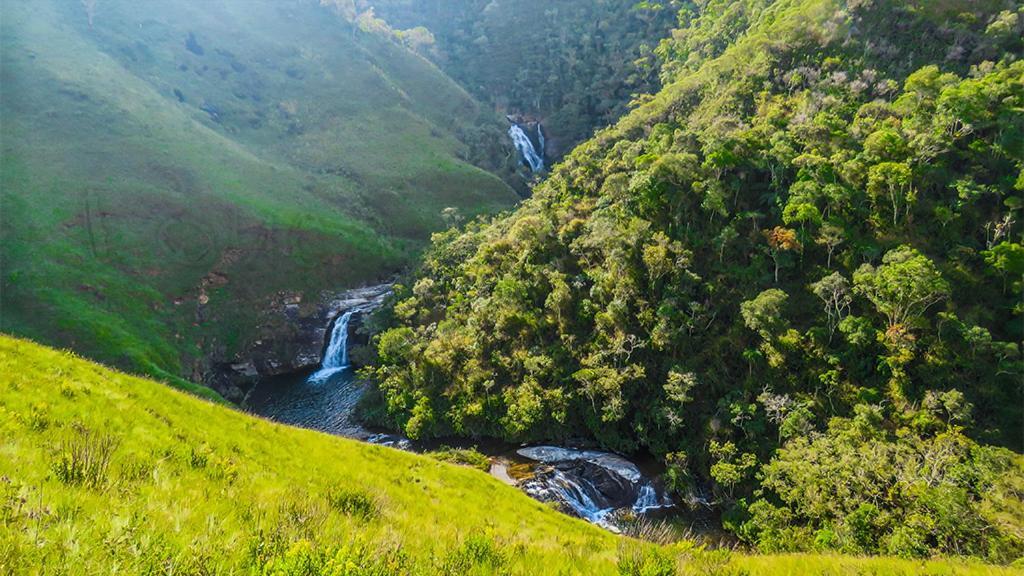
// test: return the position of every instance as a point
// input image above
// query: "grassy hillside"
(168, 168)
(106, 473)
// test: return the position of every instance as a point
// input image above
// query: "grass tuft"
(478, 554)
(83, 458)
(357, 504)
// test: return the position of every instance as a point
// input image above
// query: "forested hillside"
(573, 64)
(794, 275)
(170, 170)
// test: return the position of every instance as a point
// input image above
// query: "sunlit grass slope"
(170, 167)
(103, 473)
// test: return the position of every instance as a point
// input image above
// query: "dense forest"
(794, 275)
(573, 64)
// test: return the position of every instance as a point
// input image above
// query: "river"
(597, 486)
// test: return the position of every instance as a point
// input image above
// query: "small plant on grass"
(650, 530)
(197, 458)
(303, 516)
(37, 419)
(136, 470)
(478, 554)
(635, 559)
(355, 503)
(83, 459)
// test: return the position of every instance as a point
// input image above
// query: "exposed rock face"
(292, 338)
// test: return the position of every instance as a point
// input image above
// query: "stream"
(600, 487)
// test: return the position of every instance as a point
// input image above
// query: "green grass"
(333, 158)
(101, 472)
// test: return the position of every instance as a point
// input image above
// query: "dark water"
(326, 405)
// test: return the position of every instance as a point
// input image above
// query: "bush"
(636, 560)
(354, 559)
(83, 459)
(477, 554)
(354, 503)
(463, 457)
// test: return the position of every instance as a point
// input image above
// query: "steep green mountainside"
(106, 473)
(794, 274)
(169, 167)
(574, 64)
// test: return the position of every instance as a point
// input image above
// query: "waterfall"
(540, 140)
(594, 485)
(576, 495)
(647, 499)
(522, 142)
(336, 357)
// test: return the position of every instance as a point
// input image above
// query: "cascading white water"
(575, 495)
(604, 484)
(336, 357)
(647, 499)
(540, 140)
(522, 142)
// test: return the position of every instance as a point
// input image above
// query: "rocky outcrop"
(590, 484)
(292, 338)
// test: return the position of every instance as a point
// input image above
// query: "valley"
(503, 287)
(194, 178)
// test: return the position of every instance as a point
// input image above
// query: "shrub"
(37, 419)
(652, 530)
(477, 554)
(357, 504)
(304, 558)
(636, 560)
(462, 456)
(197, 458)
(863, 526)
(83, 459)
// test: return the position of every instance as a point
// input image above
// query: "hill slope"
(170, 168)
(574, 64)
(104, 472)
(794, 274)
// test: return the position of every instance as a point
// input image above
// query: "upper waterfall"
(533, 157)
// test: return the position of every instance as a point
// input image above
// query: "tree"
(1007, 258)
(781, 240)
(834, 291)
(731, 467)
(801, 207)
(763, 314)
(891, 182)
(903, 287)
(727, 235)
(886, 145)
(831, 237)
(418, 39)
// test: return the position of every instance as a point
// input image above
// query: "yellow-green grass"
(194, 487)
